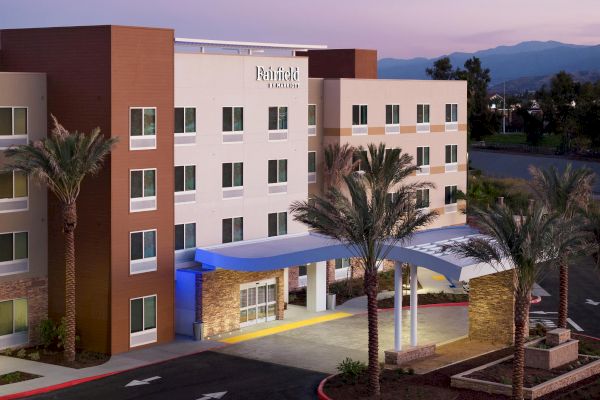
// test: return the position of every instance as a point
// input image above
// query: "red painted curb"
(75, 382)
(463, 304)
(320, 393)
(536, 300)
(586, 336)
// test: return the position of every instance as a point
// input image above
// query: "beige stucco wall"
(28, 90)
(210, 82)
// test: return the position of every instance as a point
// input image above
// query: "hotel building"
(216, 140)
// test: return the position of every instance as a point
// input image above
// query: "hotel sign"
(281, 77)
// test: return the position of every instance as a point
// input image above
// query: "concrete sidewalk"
(55, 375)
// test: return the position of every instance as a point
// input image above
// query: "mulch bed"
(436, 384)
(16, 376)
(426, 298)
(83, 359)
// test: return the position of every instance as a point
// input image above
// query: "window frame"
(314, 161)
(15, 260)
(233, 186)
(358, 167)
(185, 224)
(361, 123)
(144, 259)
(453, 113)
(278, 164)
(423, 113)
(308, 119)
(232, 131)
(394, 107)
(14, 198)
(185, 133)
(287, 119)
(278, 215)
(14, 332)
(185, 178)
(232, 229)
(143, 135)
(453, 154)
(420, 205)
(423, 169)
(144, 198)
(144, 330)
(451, 194)
(12, 115)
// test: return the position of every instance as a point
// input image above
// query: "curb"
(320, 393)
(536, 300)
(462, 304)
(78, 381)
(586, 336)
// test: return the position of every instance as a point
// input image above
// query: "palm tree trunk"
(563, 292)
(521, 313)
(69, 224)
(370, 282)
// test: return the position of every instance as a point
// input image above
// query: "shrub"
(351, 370)
(35, 356)
(21, 353)
(47, 333)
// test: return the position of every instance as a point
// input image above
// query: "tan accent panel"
(408, 129)
(462, 167)
(437, 169)
(337, 131)
(437, 128)
(377, 130)
(440, 210)
(462, 127)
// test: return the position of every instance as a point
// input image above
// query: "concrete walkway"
(55, 374)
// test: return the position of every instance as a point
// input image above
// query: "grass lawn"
(550, 141)
(16, 376)
(52, 355)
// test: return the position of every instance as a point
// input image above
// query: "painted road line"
(574, 325)
(146, 381)
(592, 302)
(285, 327)
(210, 396)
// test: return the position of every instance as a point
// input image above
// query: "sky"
(396, 28)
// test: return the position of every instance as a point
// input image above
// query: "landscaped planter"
(553, 357)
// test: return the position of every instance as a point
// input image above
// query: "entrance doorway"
(258, 302)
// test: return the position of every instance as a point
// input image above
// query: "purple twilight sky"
(397, 28)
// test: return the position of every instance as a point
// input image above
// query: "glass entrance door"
(258, 302)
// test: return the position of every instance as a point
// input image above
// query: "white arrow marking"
(592, 302)
(543, 312)
(146, 381)
(569, 320)
(209, 396)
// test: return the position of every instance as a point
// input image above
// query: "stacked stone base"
(410, 353)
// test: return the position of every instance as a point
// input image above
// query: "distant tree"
(533, 126)
(441, 70)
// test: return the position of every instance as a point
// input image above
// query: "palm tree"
(517, 242)
(563, 193)
(61, 161)
(591, 214)
(368, 221)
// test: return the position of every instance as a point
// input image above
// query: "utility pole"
(504, 109)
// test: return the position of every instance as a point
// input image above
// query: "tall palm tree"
(338, 162)
(363, 217)
(61, 161)
(563, 193)
(517, 242)
(591, 215)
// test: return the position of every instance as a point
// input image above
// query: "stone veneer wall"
(35, 290)
(491, 308)
(221, 298)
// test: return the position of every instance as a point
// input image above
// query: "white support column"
(413, 305)
(316, 288)
(397, 306)
(286, 285)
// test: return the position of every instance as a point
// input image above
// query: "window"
(142, 314)
(451, 112)
(302, 270)
(391, 198)
(450, 195)
(278, 118)
(13, 246)
(392, 114)
(312, 115)
(143, 245)
(422, 198)
(422, 156)
(13, 185)
(143, 121)
(142, 192)
(451, 153)
(357, 160)
(13, 121)
(185, 120)
(13, 316)
(359, 114)
(233, 229)
(277, 171)
(233, 119)
(312, 161)
(342, 263)
(185, 236)
(233, 175)
(185, 178)
(277, 224)
(422, 113)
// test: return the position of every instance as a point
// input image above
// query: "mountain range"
(524, 66)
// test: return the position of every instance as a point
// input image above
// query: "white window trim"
(451, 122)
(16, 199)
(131, 137)
(313, 127)
(279, 130)
(13, 320)
(277, 183)
(16, 260)
(233, 229)
(144, 331)
(424, 169)
(185, 249)
(286, 223)
(315, 171)
(144, 259)
(423, 127)
(451, 166)
(195, 182)
(429, 196)
(232, 132)
(232, 188)
(12, 135)
(392, 124)
(196, 123)
(360, 114)
(451, 207)
(144, 198)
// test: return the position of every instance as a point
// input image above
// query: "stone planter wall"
(553, 357)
